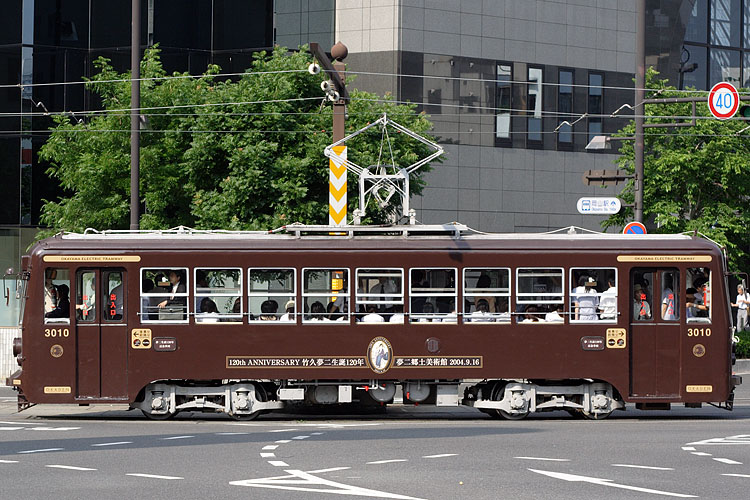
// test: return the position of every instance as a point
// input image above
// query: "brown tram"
(244, 323)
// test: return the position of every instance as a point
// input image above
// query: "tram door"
(655, 332)
(101, 333)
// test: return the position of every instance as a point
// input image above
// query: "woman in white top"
(741, 304)
(586, 299)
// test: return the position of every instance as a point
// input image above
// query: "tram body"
(133, 335)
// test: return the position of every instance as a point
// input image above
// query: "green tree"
(695, 178)
(216, 153)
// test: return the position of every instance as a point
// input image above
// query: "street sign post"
(723, 100)
(598, 206)
(634, 228)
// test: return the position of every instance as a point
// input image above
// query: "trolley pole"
(135, 122)
(640, 83)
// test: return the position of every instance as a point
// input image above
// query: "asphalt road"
(430, 453)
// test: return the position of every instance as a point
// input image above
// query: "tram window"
(271, 295)
(433, 295)
(114, 303)
(539, 294)
(698, 295)
(56, 295)
(593, 294)
(86, 297)
(380, 295)
(217, 290)
(164, 294)
(325, 295)
(670, 303)
(643, 289)
(486, 295)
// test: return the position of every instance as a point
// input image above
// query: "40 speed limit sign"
(723, 100)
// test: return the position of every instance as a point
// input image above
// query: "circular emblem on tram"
(699, 350)
(56, 351)
(379, 355)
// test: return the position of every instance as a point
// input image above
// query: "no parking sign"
(723, 100)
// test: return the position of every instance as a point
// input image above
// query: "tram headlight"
(17, 346)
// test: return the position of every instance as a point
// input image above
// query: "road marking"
(317, 433)
(69, 467)
(642, 467)
(283, 441)
(113, 444)
(271, 447)
(278, 463)
(283, 430)
(8, 461)
(54, 428)
(700, 453)
(232, 433)
(298, 480)
(267, 455)
(387, 461)
(688, 448)
(10, 428)
(300, 437)
(153, 476)
(727, 461)
(42, 451)
(737, 475)
(441, 455)
(607, 482)
(11, 423)
(730, 440)
(248, 425)
(547, 459)
(177, 437)
(332, 469)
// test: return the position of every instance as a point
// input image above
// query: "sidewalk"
(741, 366)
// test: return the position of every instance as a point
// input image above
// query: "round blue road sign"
(634, 228)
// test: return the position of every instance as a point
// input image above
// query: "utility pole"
(640, 84)
(135, 122)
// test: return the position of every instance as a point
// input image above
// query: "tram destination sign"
(598, 206)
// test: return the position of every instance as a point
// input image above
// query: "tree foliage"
(695, 178)
(235, 154)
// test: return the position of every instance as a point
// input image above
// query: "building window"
(695, 28)
(725, 66)
(693, 70)
(534, 105)
(218, 294)
(503, 101)
(596, 81)
(565, 106)
(725, 23)
(271, 295)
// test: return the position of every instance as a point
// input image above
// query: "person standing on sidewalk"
(742, 301)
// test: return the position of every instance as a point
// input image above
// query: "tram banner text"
(351, 362)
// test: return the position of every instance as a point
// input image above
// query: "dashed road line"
(278, 463)
(378, 462)
(688, 448)
(545, 458)
(642, 467)
(701, 454)
(728, 461)
(331, 469)
(44, 450)
(270, 447)
(442, 455)
(283, 441)
(300, 437)
(267, 455)
(69, 467)
(117, 443)
(283, 430)
(152, 476)
(10, 428)
(737, 475)
(176, 437)
(232, 433)
(8, 461)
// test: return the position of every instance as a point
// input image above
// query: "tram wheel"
(158, 416)
(497, 395)
(596, 416)
(260, 395)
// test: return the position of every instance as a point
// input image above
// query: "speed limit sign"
(723, 100)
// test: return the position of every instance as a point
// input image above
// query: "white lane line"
(177, 437)
(642, 467)
(442, 455)
(283, 441)
(152, 476)
(283, 430)
(247, 425)
(546, 459)
(607, 482)
(8, 461)
(727, 461)
(271, 447)
(117, 443)
(42, 451)
(267, 455)
(737, 475)
(10, 428)
(300, 437)
(11, 423)
(316, 433)
(54, 428)
(332, 469)
(688, 448)
(68, 467)
(278, 463)
(700, 453)
(377, 462)
(232, 433)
